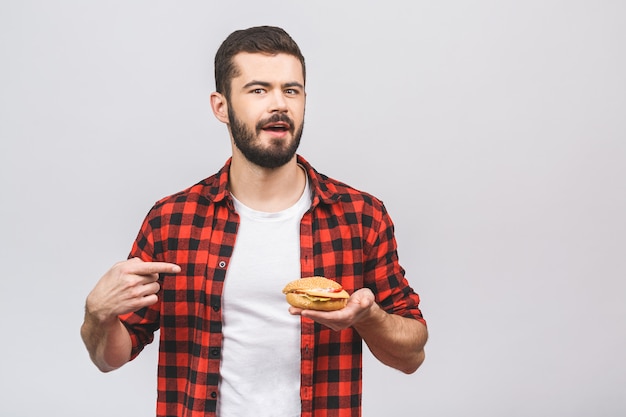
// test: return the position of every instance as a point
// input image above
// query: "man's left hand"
(358, 308)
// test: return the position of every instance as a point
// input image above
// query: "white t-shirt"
(260, 367)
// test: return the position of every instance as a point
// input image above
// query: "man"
(209, 263)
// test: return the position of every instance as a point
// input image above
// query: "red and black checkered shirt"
(347, 236)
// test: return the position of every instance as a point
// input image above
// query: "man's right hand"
(128, 286)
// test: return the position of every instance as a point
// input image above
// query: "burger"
(316, 293)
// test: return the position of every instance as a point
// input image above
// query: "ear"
(219, 105)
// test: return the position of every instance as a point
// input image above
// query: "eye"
(257, 91)
(292, 91)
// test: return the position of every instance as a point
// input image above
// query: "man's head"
(268, 40)
(260, 94)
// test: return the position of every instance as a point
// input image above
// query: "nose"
(278, 102)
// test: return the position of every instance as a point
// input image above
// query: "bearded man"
(209, 263)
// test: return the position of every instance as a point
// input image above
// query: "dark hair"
(261, 39)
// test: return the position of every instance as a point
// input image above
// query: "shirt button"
(215, 352)
(222, 264)
(214, 394)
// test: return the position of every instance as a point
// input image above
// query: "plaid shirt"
(347, 236)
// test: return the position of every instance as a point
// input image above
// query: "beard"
(277, 153)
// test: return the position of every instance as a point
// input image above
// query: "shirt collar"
(323, 190)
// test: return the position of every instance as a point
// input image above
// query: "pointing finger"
(147, 268)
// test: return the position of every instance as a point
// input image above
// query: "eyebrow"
(266, 84)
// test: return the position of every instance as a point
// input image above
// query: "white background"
(494, 131)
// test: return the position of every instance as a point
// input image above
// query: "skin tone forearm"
(394, 340)
(128, 286)
(108, 343)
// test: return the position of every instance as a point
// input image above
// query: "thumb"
(364, 297)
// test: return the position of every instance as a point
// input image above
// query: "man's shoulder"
(331, 190)
(341, 191)
(204, 192)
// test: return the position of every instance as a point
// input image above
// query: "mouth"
(277, 127)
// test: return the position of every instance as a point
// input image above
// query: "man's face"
(266, 108)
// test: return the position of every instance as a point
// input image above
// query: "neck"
(266, 189)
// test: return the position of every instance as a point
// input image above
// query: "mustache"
(275, 118)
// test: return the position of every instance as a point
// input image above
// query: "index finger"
(146, 268)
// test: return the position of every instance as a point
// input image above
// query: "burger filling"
(322, 294)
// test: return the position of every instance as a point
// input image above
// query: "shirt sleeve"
(142, 323)
(383, 273)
